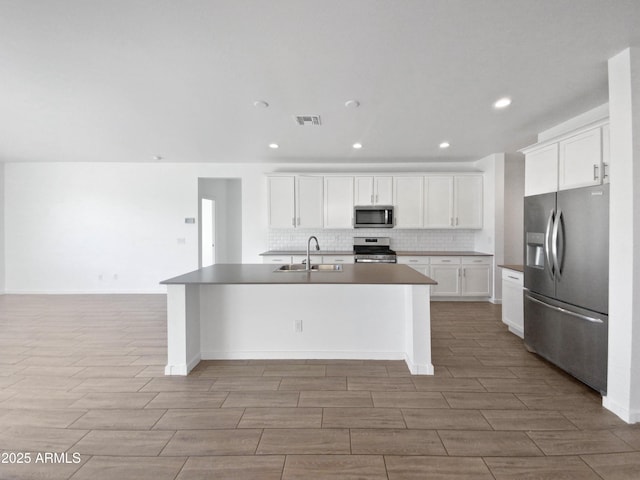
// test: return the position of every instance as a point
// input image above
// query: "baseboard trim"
(629, 416)
(300, 355)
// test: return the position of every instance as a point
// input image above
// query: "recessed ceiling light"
(260, 104)
(157, 158)
(357, 145)
(445, 145)
(502, 102)
(274, 145)
(352, 104)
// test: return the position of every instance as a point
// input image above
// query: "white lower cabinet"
(417, 262)
(468, 276)
(512, 301)
(315, 259)
(476, 276)
(277, 259)
(336, 259)
(445, 271)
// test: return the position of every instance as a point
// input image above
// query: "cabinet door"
(383, 191)
(541, 170)
(476, 280)
(438, 201)
(277, 259)
(580, 161)
(309, 198)
(407, 193)
(606, 154)
(363, 190)
(338, 202)
(512, 302)
(468, 201)
(448, 278)
(334, 259)
(281, 202)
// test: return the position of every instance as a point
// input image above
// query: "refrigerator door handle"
(554, 241)
(547, 246)
(564, 310)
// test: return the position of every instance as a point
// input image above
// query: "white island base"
(298, 321)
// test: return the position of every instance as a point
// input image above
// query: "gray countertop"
(248, 273)
(430, 253)
(515, 268)
(304, 252)
(437, 253)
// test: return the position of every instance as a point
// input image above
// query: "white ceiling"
(124, 80)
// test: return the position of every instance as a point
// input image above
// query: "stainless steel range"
(373, 250)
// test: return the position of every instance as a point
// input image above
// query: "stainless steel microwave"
(373, 216)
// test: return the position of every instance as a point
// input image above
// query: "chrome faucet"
(308, 248)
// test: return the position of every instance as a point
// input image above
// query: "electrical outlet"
(297, 326)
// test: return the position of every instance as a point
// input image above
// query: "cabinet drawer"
(513, 276)
(333, 259)
(445, 260)
(315, 259)
(413, 260)
(476, 260)
(279, 259)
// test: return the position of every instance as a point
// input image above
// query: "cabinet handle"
(451, 221)
(595, 171)
(338, 260)
(456, 221)
(298, 221)
(376, 198)
(413, 261)
(446, 261)
(464, 272)
(514, 278)
(293, 221)
(372, 199)
(605, 167)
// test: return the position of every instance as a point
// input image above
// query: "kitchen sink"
(299, 267)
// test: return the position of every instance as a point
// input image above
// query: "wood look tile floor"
(84, 375)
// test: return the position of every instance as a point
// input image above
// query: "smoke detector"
(307, 120)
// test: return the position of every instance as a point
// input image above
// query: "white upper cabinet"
(373, 190)
(580, 160)
(541, 170)
(408, 201)
(419, 201)
(281, 205)
(576, 159)
(338, 202)
(438, 201)
(467, 203)
(309, 202)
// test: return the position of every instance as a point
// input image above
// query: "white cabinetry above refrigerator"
(573, 160)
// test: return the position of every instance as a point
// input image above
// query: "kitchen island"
(252, 311)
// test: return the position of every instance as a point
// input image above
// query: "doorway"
(220, 221)
(208, 232)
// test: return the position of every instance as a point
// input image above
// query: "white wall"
(116, 227)
(514, 209)
(623, 390)
(491, 238)
(97, 227)
(2, 231)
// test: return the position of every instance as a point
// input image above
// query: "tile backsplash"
(402, 240)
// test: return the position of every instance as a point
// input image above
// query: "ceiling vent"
(308, 120)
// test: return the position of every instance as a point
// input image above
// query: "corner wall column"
(623, 390)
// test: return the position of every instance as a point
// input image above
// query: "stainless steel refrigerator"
(566, 280)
